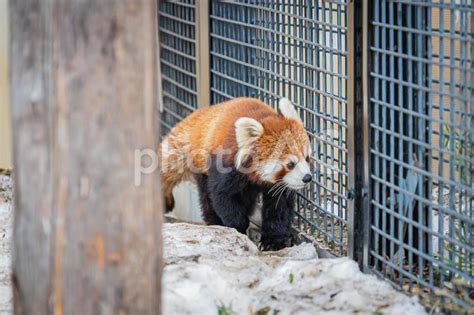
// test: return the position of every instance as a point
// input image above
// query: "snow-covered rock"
(210, 269)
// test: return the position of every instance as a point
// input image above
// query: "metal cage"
(177, 33)
(421, 136)
(385, 90)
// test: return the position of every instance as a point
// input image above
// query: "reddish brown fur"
(208, 130)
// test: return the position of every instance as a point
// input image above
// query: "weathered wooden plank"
(5, 126)
(87, 240)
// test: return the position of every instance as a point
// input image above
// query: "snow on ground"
(6, 225)
(211, 269)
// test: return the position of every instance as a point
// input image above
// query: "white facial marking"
(293, 158)
(268, 170)
(308, 150)
(294, 178)
(303, 168)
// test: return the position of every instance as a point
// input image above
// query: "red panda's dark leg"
(230, 210)
(208, 214)
(232, 197)
(276, 226)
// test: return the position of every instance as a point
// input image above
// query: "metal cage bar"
(358, 119)
(178, 56)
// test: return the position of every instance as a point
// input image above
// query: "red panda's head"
(277, 147)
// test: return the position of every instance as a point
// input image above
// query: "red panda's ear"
(287, 110)
(247, 130)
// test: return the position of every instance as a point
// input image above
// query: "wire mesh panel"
(270, 49)
(177, 32)
(421, 149)
(233, 51)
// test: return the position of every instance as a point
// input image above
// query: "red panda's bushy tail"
(173, 167)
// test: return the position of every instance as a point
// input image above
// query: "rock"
(6, 230)
(211, 268)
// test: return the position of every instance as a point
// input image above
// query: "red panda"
(236, 151)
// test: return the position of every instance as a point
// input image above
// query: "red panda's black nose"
(307, 178)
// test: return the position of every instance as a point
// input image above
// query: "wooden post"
(83, 95)
(202, 53)
(5, 130)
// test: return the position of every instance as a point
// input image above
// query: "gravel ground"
(6, 225)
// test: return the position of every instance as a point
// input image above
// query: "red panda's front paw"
(273, 243)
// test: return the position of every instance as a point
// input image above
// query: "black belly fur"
(229, 199)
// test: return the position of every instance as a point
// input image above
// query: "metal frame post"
(358, 135)
(203, 53)
(158, 59)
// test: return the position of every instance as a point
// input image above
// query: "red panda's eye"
(290, 165)
(307, 159)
